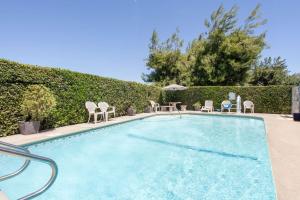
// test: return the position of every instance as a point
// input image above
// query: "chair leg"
(95, 118)
(89, 118)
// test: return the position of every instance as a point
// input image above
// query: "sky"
(110, 37)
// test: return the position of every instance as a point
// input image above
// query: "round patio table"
(174, 104)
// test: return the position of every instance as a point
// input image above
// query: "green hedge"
(267, 99)
(71, 89)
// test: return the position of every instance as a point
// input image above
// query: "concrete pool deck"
(283, 141)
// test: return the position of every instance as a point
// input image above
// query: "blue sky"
(110, 38)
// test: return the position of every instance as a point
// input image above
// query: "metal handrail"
(22, 168)
(179, 113)
(42, 159)
(176, 109)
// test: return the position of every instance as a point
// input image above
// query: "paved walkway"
(284, 145)
(68, 130)
(283, 139)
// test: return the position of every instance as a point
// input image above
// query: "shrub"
(267, 99)
(197, 105)
(71, 89)
(38, 102)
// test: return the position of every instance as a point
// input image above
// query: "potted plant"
(197, 106)
(131, 110)
(37, 103)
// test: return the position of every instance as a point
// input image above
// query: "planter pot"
(130, 111)
(148, 109)
(31, 127)
(183, 107)
(296, 116)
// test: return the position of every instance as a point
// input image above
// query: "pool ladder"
(18, 151)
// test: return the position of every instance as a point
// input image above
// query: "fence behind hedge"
(267, 99)
(71, 89)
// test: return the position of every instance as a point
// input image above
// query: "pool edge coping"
(136, 117)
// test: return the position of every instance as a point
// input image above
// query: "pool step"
(3, 196)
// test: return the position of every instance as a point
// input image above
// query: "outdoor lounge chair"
(248, 105)
(107, 109)
(154, 106)
(91, 107)
(226, 105)
(208, 106)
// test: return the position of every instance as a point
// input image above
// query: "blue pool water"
(162, 157)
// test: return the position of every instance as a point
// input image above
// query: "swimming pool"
(162, 157)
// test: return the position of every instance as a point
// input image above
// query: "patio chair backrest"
(208, 103)
(226, 104)
(90, 106)
(103, 106)
(152, 103)
(248, 104)
(231, 96)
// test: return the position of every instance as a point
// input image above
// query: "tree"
(294, 79)
(269, 72)
(272, 71)
(225, 54)
(166, 61)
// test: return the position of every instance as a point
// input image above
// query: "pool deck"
(283, 140)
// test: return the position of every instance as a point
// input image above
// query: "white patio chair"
(208, 106)
(107, 109)
(91, 107)
(226, 105)
(154, 106)
(248, 105)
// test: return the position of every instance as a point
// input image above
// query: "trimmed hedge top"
(72, 90)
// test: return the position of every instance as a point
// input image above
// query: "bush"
(267, 99)
(197, 105)
(38, 101)
(71, 90)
